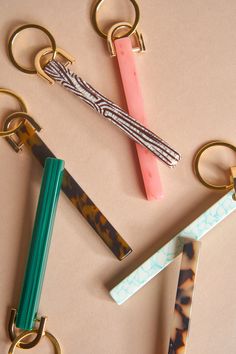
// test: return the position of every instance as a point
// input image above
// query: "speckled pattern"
(162, 258)
(77, 196)
(184, 297)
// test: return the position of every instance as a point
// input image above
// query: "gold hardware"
(233, 180)
(11, 43)
(12, 333)
(9, 132)
(18, 341)
(197, 161)
(42, 53)
(17, 146)
(15, 95)
(103, 34)
(111, 36)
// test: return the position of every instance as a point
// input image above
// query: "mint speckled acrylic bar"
(162, 258)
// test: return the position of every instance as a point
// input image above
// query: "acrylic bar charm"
(184, 297)
(167, 254)
(25, 132)
(135, 103)
(55, 70)
(141, 135)
(40, 244)
(123, 39)
(77, 196)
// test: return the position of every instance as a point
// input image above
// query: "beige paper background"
(189, 84)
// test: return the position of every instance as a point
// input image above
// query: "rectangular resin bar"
(113, 113)
(77, 196)
(184, 297)
(40, 244)
(167, 254)
(135, 104)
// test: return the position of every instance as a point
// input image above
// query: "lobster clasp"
(111, 36)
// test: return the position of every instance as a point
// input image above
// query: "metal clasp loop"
(9, 132)
(14, 337)
(42, 53)
(40, 333)
(111, 36)
(17, 146)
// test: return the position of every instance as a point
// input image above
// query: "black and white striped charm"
(136, 131)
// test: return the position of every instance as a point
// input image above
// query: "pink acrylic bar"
(134, 99)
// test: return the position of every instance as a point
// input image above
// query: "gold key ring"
(197, 159)
(103, 34)
(26, 334)
(11, 43)
(23, 107)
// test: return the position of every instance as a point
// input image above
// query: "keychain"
(25, 317)
(26, 132)
(184, 297)
(196, 230)
(120, 46)
(55, 70)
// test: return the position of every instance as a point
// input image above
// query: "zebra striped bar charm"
(136, 131)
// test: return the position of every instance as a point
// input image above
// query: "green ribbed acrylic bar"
(40, 243)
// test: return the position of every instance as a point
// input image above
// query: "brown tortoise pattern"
(77, 196)
(184, 297)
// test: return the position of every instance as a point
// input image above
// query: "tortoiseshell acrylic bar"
(184, 297)
(77, 196)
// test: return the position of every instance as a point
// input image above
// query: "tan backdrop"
(188, 77)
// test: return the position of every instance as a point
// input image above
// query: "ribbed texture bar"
(77, 196)
(40, 243)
